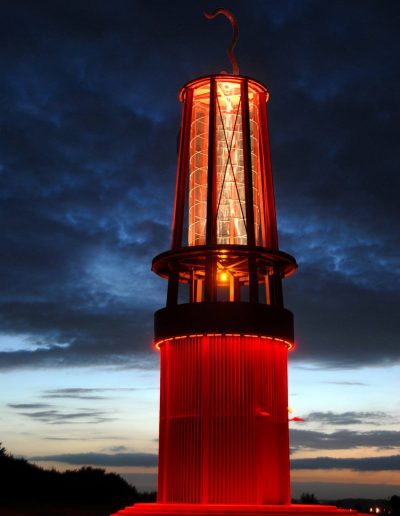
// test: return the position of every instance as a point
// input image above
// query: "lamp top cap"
(204, 81)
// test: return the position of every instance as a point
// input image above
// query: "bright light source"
(228, 147)
(223, 277)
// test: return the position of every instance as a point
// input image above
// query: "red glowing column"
(223, 413)
(224, 334)
(223, 420)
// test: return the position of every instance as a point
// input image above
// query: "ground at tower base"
(229, 510)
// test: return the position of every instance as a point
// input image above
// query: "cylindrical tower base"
(224, 420)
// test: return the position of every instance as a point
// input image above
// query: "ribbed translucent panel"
(229, 161)
(224, 421)
(231, 202)
(198, 162)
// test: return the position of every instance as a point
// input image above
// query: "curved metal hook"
(231, 18)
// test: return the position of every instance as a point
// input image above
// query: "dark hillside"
(86, 491)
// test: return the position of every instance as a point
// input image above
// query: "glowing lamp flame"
(223, 277)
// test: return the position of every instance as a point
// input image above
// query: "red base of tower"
(223, 421)
(186, 509)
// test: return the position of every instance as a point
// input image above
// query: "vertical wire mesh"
(230, 188)
(224, 429)
(198, 161)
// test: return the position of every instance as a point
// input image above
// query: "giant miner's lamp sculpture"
(224, 335)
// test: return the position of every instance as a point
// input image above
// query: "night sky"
(88, 127)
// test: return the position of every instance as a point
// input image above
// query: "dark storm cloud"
(87, 161)
(87, 394)
(347, 383)
(79, 394)
(335, 162)
(84, 393)
(117, 449)
(391, 463)
(88, 338)
(347, 418)
(56, 416)
(84, 438)
(343, 439)
(103, 459)
(28, 405)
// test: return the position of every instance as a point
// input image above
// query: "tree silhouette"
(25, 482)
(395, 505)
(308, 499)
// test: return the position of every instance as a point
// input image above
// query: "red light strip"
(289, 345)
